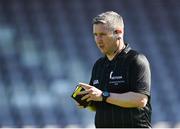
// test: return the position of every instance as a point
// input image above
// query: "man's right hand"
(79, 106)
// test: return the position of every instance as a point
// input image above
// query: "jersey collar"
(123, 52)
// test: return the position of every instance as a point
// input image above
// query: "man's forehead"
(101, 27)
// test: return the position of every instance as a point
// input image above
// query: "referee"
(119, 88)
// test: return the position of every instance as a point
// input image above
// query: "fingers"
(90, 93)
(85, 97)
(83, 92)
(89, 96)
(89, 99)
(85, 86)
(78, 105)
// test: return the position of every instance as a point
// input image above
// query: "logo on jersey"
(95, 82)
(114, 77)
(116, 80)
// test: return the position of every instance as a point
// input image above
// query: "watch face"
(106, 94)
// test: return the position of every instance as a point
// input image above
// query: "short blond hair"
(112, 19)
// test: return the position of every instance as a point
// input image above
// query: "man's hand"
(90, 93)
(79, 106)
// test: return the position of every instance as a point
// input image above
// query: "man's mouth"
(101, 46)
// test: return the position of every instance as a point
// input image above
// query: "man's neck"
(119, 50)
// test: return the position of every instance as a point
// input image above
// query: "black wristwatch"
(105, 95)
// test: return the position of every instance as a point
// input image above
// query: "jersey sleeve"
(140, 75)
(92, 76)
(93, 104)
(94, 70)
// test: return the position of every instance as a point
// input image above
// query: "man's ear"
(117, 34)
(118, 31)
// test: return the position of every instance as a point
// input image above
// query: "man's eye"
(99, 35)
(102, 34)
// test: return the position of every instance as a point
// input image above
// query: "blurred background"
(47, 47)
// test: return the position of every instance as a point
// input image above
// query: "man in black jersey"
(119, 88)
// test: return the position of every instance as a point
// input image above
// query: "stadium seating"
(47, 47)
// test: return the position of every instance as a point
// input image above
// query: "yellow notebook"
(77, 97)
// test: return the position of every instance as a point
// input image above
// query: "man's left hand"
(90, 93)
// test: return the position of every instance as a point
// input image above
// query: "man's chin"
(103, 52)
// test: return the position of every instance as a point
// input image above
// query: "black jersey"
(128, 71)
